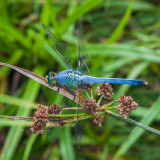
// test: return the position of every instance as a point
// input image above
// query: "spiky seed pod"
(98, 120)
(40, 119)
(86, 87)
(54, 109)
(105, 90)
(90, 106)
(126, 104)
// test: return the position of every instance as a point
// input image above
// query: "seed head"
(98, 120)
(86, 87)
(126, 104)
(90, 106)
(105, 90)
(54, 109)
(40, 119)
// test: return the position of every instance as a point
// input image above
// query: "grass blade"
(66, 145)
(115, 35)
(9, 123)
(29, 145)
(13, 60)
(124, 51)
(76, 14)
(17, 101)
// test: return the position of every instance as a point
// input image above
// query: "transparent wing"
(82, 58)
(79, 128)
(54, 133)
(82, 66)
(68, 104)
(59, 48)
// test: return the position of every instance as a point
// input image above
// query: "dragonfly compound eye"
(49, 79)
(51, 74)
(46, 78)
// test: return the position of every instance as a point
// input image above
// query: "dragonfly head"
(50, 77)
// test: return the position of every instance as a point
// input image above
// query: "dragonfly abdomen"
(89, 79)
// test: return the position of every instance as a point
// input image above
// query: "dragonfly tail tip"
(146, 83)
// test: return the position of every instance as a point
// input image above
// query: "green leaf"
(124, 51)
(9, 123)
(14, 59)
(115, 35)
(17, 101)
(66, 145)
(76, 14)
(29, 145)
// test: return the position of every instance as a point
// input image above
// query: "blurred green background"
(123, 40)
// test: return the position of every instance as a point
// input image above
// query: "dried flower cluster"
(54, 109)
(90, 106)
(126, 104)
(105, 90)
(98, 120)
(86, 87)
(40, 120)
(41, 117)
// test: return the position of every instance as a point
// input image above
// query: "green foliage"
(122, 40)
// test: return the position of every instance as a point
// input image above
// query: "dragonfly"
(78, 75)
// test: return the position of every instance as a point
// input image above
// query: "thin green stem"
(71, 108)
(110, 108)
(107, 105)
(99, 101)
(128, 120)
(92, 93)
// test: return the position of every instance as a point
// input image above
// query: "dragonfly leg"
(58, 87)
(71, 93)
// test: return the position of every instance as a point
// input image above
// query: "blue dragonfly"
(74, 76)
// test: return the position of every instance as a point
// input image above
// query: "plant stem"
(128, 120)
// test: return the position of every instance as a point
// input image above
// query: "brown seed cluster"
(54, 109)
(98, 120)
(105, 90)
(86, 87)
(40, 119)
(126, 104)
(90, 106)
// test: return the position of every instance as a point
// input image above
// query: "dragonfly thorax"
(68, 77)
(73, 77)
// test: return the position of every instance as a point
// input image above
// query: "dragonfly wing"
(82, 66)
(54, 133)
(78, 124)
(82, 58)
(59, 48)
(79, 129)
